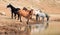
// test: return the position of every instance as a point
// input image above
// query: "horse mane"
(10, 5)
(30, 12)
(13, 8)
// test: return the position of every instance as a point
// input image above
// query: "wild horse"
(27, 14)
(13, 11)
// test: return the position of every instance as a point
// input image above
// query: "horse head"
(9, 5)
(24, 8)
(31, 11)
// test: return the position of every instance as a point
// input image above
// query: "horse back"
(23, 13)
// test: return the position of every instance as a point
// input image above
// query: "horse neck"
(12, 7)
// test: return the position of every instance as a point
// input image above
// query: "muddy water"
(52, 29)
(37, 28)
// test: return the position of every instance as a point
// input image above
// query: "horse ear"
(9, 4)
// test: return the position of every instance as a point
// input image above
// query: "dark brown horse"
(27, 14)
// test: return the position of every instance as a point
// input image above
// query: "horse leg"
(37, 17)
(27, 21)
(20, 18)
(15, 16)
(47, 18)
(12, 15)
(47, 22)
(42, 19)
(31, 17)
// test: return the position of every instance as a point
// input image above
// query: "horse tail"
(31, 11)
(47, 16)
(37, 17)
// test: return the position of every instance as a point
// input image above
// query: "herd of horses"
(27, 13)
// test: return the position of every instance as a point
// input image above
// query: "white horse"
(39, 14)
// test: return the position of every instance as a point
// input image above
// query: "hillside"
(48, 6)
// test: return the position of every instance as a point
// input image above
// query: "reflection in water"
(33, 28)
(47, 24)
(38, 27)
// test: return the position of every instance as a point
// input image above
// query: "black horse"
(13, 11)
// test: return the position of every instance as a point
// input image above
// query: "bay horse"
(13, 11)
(24, 8)
(27, 14)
